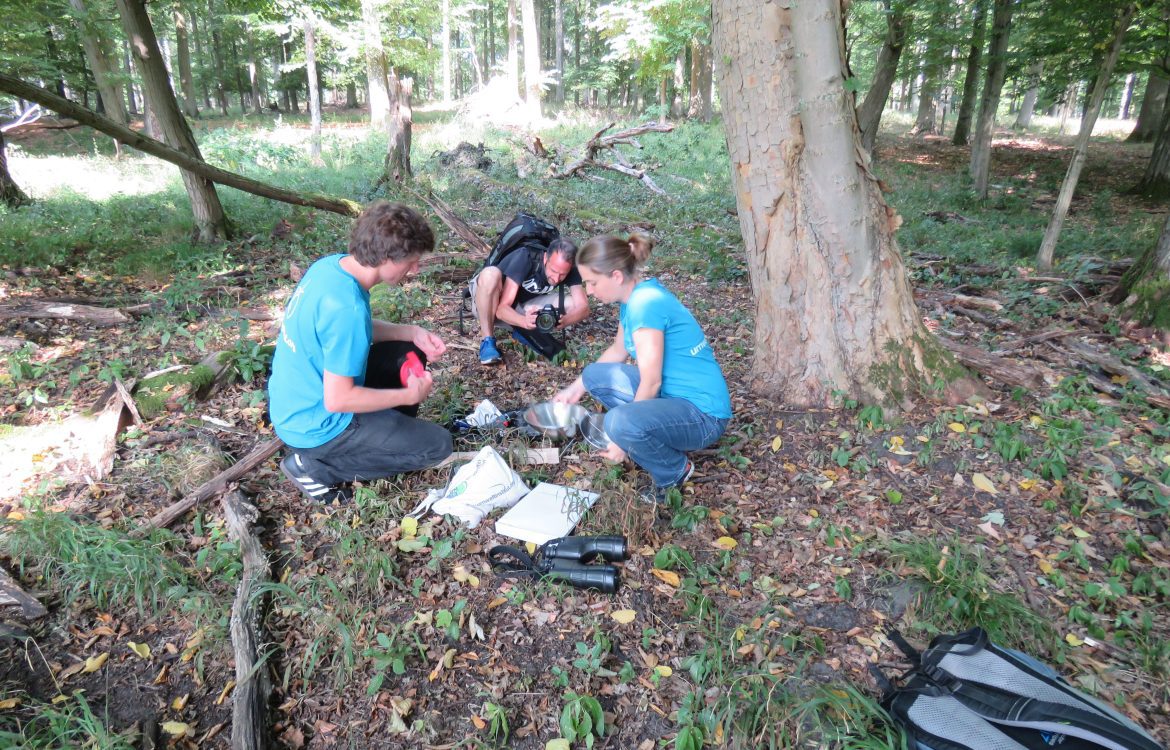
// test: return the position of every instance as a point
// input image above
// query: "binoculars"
(567, 560)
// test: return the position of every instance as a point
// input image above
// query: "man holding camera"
(536, 292)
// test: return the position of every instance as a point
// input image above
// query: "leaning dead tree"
(601, 142)
(62, 106)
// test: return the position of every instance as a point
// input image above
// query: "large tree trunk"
(869, 114)
(1001, 27)
(1069, 186)
(310, 23)
(102, 63)
(446, 61)
(560, 50)
(137, 140)
(1155, 183)
(379, 94)
(1028, 107)
(209, 216)
(183, 50)
(1126, 97)
(513, 49)
(532, 87)
(834, 310)
(1153, 104)
(971, 79)
(1145, 288)
(10, 193)
(397, 164)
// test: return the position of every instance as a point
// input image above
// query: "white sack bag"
(478, 487)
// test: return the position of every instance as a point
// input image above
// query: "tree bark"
(1024, 116)
(10, 193)
(181, 159)
(532, 87)
(700, 106)
(971, 79)
(1001, 27)
(560, 50)
(397, 163)
(445, 32)
(869, 114)
(209, 216)
(379, 94)
(1149, 119)
(1155, 182)
(199, 56)
(1152, 269)
(101, 62)
(934, 66)
(310, 24)
(834, 310)
(1069, 186)
(1126, 96)
(513, 49)
(255, 77)
(183, 51)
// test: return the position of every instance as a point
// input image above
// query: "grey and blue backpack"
(966, 693)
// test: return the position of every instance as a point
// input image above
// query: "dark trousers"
(380, 444)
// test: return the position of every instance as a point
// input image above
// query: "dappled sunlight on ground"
(97, 178)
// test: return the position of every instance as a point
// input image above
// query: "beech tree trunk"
(446, 34)
(1126, 97)
(10, 193)
(1149, 119)
(532, 87)
(834, 310)
(1069, 186)
(1145, 288)
(1155, 183)
(379, 94)
(183, 51)
(934, 65)
(137, 140)
(559, 35)
(255, 78)
(1001, 27)
(513, 49)
(971, 79)
(310, 24)
(1024, 116)
(397, 163)
(209, 216)
(199, 56)
(103, 64)
(869, 114)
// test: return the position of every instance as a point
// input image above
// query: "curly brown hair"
(389, 231)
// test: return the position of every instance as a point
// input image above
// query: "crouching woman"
(674, 399)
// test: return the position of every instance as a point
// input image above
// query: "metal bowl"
(593, 430)
(554, 418)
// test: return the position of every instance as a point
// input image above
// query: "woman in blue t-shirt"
(674, 398)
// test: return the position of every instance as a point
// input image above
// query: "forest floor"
(752, 606)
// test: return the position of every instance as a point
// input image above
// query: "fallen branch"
(1154, 392)
(600, 141)
(47, 308)
(457, 225)
(213, 487)
(998, 368)
(250, 695)
(12, 595)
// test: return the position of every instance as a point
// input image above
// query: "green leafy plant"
(582, 719)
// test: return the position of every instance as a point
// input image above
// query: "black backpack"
(966, 693)
(524, 230)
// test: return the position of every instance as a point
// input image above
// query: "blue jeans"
(656, 433)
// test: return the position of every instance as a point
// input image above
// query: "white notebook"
(548, 512)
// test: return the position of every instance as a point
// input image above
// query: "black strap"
(884, 684)
(904, 646)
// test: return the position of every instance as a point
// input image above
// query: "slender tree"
(310, 26)
(183, 54)
(379, 94)
(10, 193)
(1080, 150)
(971, 78)
(1001, 27)
(209, 216)
(1028, 106)
(532, 82)
(102, 62)
(446, 60)
(834, 309)
(560, 51)
(869, 114)
(935, 63)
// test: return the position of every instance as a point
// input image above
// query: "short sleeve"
(645, 310)
(345, 337)
(516, 266)
(574, 277)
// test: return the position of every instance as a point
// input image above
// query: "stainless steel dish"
(555, 419)
(593, 430)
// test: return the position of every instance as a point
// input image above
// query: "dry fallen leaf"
(984, 484)
(624, 616)
(726, 542)
(176, 728)
(141, 649)
(667, 576)
(96, 662)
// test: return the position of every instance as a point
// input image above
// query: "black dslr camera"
(547, 319)
(567, 560)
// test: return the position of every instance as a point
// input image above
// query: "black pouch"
(544, 344)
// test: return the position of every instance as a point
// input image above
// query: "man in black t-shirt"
(526, 280)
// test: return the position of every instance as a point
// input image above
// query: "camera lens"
(546, 320)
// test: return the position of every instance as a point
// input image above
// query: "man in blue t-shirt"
(515, 291)
(345, 388)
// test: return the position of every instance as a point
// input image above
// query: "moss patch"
(153, 395)
(897, 376)
(1151, 304)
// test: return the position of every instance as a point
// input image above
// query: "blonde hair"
(606, 254)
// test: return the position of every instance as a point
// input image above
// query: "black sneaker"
(657, 495)
(292, 468)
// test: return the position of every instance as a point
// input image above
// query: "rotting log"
(134, 139)
(250, 695)
(1152, 391)
(27, 309)
(452, 220)
(211, 488)
(1004, 370)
